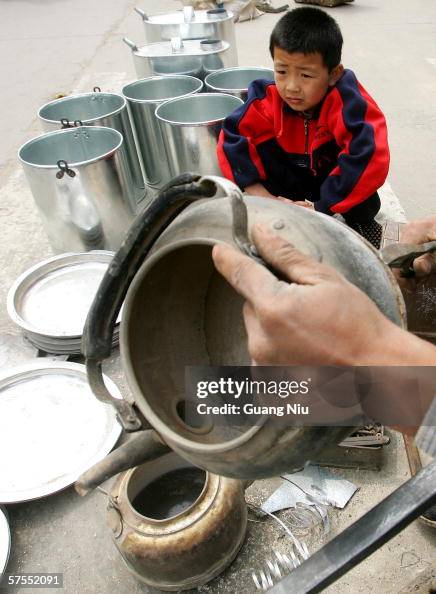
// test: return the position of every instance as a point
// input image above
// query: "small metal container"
(172, 546)
(235, 81)
(189, 57)
(190, 128)
(188, 23)
(143, 97)
(97, 109)
(82, 185)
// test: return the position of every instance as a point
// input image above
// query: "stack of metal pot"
(188, 23)
(85, 173)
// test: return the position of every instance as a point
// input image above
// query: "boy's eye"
(280, 72)
(306, 75)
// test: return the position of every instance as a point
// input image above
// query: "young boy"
(312, 134)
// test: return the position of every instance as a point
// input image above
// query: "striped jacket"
(337, 158)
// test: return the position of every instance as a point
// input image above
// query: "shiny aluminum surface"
(143, 97)
(5, 539)
(190, 128)
(190, 24)
(235, 81)
(92, 206)
(187, 57)
(98, 109)
(52, 428)
(51, 300)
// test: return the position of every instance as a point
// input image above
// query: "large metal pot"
(188, 23)
(143, 97)
(235, 81)
(190, 128)
(98, 109)
(82, 186)
(189, 57)
(175, 525)
(168, 256)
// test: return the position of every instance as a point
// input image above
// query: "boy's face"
(302, 80)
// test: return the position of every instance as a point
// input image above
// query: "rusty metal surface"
(201, 324)
(186, 550)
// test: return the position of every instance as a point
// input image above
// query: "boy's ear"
(335, 74)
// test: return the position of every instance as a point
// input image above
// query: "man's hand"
(304, 204)
(421, 231)
(317, 318)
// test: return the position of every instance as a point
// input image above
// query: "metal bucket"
(190, 127)
(98, 109)
(143, 97)
(81, 182)
(188, 23)
(235, 81)
(189, 57)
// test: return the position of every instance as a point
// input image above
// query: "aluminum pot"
(143, 97)
(190, 128)
(81, 183)
(190, 58)
(235, 81)
(175, 525)
(201, 322)
(98, 109)
(188, 23)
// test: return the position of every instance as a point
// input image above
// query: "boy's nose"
(292, 85)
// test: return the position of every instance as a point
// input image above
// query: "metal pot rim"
(156, 422)
(203, 123)
(151, 19)
(172, 76)
(211, 481)
(232, 69)
(198, 52)
(71, 97)
(69, 131)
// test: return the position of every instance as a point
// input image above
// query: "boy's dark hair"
(307, 31)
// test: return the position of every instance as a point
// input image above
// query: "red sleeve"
(359, 129)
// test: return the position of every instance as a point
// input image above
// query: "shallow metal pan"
(52, 428)
(52, 299)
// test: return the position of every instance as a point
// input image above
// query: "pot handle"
(143, 447)
(239, 216)
(141, 13)
(100, 323)
(132, 45)
(188, 14)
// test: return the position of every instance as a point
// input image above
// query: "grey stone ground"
(49, 47)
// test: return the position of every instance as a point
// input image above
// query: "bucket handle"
(141, 13)
(132, 45)
(100, 323)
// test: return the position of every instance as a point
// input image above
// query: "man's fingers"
(425, 265)
(247, 277)
(285, 258)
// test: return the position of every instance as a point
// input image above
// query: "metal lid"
(189, 47)
(52, 299)
(52, 428)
